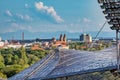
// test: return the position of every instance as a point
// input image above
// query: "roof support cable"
(97, 35)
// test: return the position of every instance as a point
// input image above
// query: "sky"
(51, 15)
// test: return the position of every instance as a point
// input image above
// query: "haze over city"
(36, 18)
(60, 40)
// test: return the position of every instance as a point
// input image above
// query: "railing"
(40, 66)
(82, 70)
(47, 68)
(66, 68)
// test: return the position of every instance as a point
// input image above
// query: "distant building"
(36, 47)
(108, 39)
(53, 39)
(0, 39)
(45, 44)
(88, 38)
(64, 38)
(61, 38)
(15, 46)
(85, 38)
(1, 44)
(61, 43)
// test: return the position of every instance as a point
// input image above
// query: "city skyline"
(51, 16)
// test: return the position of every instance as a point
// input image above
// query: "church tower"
(61, 38)
(64, 38)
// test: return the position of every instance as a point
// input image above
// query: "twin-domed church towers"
(61, 42)
(62, 38)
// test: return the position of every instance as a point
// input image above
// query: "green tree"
(23, 55)
(15, 59)
(21, 62)
(1, 58)
(32, 59)
(12, 69)
(2, 65)
(2, 75)
(8, 59)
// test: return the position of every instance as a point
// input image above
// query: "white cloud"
(86, 20)
(17, 26)
(26, 6)
(27, 17)
(49, 10)
(24, 17)
(79, 20)
(8, 13)
(72, 24)
(17, 16)
(12, 27)
(100, 24)
(8, 20)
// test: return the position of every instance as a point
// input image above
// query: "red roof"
(36, 47)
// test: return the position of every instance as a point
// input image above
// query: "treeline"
(13, 61)
(89, 46)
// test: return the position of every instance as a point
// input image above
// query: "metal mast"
(22, 37)
(111, 8)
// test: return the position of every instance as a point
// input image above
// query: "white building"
(1, 44)
(85, 38)
(14, 46)
(0, 39)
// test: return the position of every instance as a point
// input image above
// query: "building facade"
(86, 38)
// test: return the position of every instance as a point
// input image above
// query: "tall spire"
(61, 38)
(12, 40)
(64, 37)
(22, 37)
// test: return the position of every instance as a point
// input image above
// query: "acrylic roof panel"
(69, 62)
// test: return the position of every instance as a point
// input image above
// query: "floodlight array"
(111, 8)
(108, 1)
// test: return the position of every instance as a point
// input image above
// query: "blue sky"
(51, 16)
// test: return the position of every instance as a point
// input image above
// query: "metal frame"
(112, 10)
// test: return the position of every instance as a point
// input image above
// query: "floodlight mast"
(112, 10)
